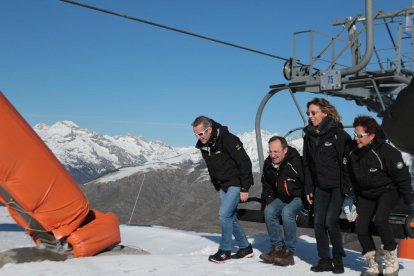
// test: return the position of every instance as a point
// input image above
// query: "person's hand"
(244, 196)
(349, 209)
(411, 206)
(309, 197)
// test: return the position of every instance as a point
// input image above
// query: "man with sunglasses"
(230, 172)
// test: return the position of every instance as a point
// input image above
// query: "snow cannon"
(42, 197)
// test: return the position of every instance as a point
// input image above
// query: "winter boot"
(338, 265)
(391, 263)
(324, 264)
(373, 260)
(268, 258)
(220, 257)
(284, 258)
(246, 252)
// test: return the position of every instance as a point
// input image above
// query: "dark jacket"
(285, 182)
(227, 162)
(377, 168)
(398, 123)
(324, 150)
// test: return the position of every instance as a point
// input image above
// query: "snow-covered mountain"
(88, 155)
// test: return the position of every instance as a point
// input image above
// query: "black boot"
(324, 264)
(338, 265)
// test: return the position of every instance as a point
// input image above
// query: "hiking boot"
(338, 265)
(324, 264)
(220, 257)
(373, 260)
(268, 258)
(391, 263)
(246, 252)
(284, 258)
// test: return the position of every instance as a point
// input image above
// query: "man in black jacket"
(282, 181)
(230, 171)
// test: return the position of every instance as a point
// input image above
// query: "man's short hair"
(282, 140)
(206, 121)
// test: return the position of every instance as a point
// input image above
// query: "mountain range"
(88, 155)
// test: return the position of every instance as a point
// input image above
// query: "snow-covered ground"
(172, 252)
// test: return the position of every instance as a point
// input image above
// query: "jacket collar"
(326, 126)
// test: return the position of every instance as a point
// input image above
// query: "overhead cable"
(174, 29)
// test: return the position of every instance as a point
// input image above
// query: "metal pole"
(136, 200)
(369, 41)
(257, 123)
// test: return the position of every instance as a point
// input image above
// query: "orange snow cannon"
(40, 194)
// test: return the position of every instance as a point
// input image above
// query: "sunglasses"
(313, 113)
(201, 133)
(360, 135)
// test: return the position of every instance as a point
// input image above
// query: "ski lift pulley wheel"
(287, 70)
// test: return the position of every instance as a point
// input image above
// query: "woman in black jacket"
(324, 147)
(380, 177)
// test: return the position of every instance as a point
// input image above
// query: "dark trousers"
(327, 207)
(380, 209)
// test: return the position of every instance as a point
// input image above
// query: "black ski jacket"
(398, 123)
(324, 150)
(227, 162)
(286, 182)
(377, 168)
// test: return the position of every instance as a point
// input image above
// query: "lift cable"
(175, 29)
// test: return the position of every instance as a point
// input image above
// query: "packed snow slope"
(172, 252)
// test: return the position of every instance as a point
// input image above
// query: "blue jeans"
(230, 225)
(287, 211)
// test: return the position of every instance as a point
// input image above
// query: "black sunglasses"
(312, 112)
(201, 133)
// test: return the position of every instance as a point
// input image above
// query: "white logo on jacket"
(328, 144)
(373, 169)
(400, 165)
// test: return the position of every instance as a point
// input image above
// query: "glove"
(349, 209)
(411, 206)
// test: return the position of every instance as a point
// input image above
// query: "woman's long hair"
(326, 108)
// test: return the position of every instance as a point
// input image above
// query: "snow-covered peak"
(88, 155)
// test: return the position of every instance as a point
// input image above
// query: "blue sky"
(116, 76)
